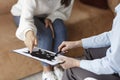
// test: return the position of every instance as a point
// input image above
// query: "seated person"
(105, 68)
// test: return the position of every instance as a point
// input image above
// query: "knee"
(59, 25)
(58, 21)
(46, 34)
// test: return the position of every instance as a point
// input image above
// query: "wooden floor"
(13, 66)
(37, 76)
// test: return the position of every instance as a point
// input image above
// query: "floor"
(36, 76)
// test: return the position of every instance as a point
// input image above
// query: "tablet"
(40, 54)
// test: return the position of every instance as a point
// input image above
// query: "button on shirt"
(111, 62)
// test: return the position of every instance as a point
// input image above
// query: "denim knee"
(60, 33)
(17, 20)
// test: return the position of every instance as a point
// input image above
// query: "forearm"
(97, 66)
(101, 40)
(78, 43)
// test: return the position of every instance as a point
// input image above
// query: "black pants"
(81, 74)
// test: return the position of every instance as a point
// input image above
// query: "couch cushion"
(113, 3)
(96, 3)
(5, 5)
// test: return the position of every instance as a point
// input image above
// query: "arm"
(108, 64)
(62, 12)
(98, 66)
(26, 20)
(27, 30)
(101, 40)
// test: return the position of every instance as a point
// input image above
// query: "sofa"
(85, 20)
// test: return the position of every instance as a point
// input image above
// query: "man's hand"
(30, 40)
(66, 45)
(68, 62)
(48, 23)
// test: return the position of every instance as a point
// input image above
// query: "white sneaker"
(58, 72)
(49, 76)
(90, 78)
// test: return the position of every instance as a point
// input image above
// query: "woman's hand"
(30, 40)
(68, 62)
(66, 45)
(48, 23)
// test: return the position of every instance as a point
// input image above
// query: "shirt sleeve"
(101, 40)
(61, 13)
(97, 66)
(26, 20)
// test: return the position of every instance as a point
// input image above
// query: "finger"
(63, 65)
(64, 49)
(62, 62)
(61, 46)
(31, 47)
(36, 42)
(51, 27)
(46, 24)
(61, 58)
(27, 45)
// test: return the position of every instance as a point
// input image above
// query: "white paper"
(23, 51)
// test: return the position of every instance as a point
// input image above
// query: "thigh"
(60, 33)
(17, 20)
(94, 53)
(44, 34)
(81, 74)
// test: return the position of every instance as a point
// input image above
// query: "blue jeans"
(44, 35)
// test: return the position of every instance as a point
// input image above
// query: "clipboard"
(40, 54)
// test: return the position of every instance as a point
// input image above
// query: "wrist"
(77, 63)
(78, 43)
(28, 33)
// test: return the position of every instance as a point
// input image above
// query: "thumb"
(36, 42)
(46, 24)
(64, 49)
(31, 48)
(60, 57)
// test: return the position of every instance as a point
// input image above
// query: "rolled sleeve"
(101, 40)
(26, 19)
(97, 66)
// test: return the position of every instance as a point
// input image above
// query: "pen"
(58, 53)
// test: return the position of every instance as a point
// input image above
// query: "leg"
(60, 36)
(45, 42)
(81, 74)
(94, 53)
(60, 33)
(17, 20)
(43, 34)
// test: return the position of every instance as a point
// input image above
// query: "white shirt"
(111, 62)
(27, 9)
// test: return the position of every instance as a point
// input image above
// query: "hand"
(48, 23)
(66, 45)
(30, 40)
(68, 62)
